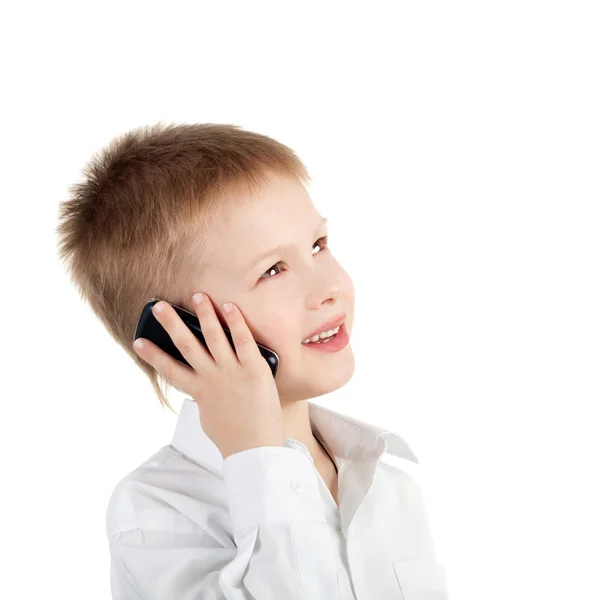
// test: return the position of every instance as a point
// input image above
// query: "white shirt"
(262, 524)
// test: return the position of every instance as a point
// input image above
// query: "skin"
(282, 304)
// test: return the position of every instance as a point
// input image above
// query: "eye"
(321, 242)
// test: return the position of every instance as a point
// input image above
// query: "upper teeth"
(320, 336)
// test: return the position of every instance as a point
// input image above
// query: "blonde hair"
(146, 206)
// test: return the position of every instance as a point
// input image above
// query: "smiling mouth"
(336, 330)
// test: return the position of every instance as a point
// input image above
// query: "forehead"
(281, 203)
(245, 225)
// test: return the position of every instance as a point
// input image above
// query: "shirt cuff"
(271, 484)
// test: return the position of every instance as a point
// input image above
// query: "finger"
(212, 330)
(245, 345)
(169, 368)
(185, 341)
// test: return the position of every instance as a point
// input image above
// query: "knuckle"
(211, 337)
(167, 372)
(184, 345)
(243, 340)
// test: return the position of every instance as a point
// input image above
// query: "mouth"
(326, 328)
(326, 331)
(334, 343)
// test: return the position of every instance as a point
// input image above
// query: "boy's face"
(282, 304)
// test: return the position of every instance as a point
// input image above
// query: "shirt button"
(297, 484)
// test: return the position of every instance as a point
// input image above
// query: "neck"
(296, 425)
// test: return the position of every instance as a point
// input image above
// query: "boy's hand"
(237, 398)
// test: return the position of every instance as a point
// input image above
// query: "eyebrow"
(278, 249)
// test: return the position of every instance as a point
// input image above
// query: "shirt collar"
(344, 436)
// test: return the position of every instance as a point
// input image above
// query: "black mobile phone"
(149, 328)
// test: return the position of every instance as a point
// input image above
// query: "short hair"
(146, 205)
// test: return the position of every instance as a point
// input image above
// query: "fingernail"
(197, 298)
(227, 307)
(159, 307)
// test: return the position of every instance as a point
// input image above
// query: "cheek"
(348, 301)
(277, 334)
(348, 292)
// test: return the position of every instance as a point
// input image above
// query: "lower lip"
(337, 343)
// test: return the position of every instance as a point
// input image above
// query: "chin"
(306, 380)
(337, 373)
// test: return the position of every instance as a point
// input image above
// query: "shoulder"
(165, 492)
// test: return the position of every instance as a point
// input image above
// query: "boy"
(261, 493)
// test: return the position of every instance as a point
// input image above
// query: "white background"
(454, 148)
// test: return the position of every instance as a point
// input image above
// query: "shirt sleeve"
(284, 548)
